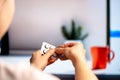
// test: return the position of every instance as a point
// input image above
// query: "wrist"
(36, 66)
(79, 60)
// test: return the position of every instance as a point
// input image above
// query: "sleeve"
(23, 72)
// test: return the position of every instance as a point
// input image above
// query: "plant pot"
(71, 41)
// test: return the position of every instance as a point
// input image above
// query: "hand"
(72, 51)
(76, 53)
(41, 61)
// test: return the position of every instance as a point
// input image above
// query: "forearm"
(82, 71)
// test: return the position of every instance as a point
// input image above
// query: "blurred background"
(36, 21)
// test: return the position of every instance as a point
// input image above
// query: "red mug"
(100, 56)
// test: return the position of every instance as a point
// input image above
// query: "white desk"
(60, 67)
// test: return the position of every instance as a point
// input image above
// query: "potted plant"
(75, 34)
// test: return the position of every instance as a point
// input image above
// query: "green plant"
(75, 33)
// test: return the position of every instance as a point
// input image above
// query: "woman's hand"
(76, 53)
(41, 61)
(72, 51)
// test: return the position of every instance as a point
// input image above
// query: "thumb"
(61, 53)
(60, 50)
(50, 52)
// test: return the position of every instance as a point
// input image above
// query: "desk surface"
(61, 67)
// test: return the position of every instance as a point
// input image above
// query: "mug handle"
(113, 55)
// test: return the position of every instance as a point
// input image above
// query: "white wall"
(36, 21)
(115, 25)
(115, 14)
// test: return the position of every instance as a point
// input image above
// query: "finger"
(62, 57)
(61, 46)
(62, 51)
(51, 61)
(59, 50)
(67, 45)
(53, 57)
(36, 53)
(50, 52)
(64, 45)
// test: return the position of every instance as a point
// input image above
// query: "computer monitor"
(4, 45)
